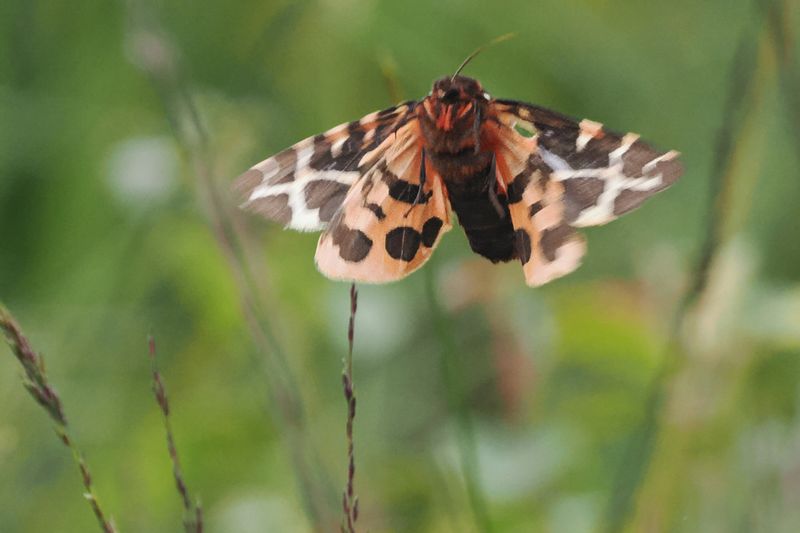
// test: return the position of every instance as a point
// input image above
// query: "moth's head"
(453, 102)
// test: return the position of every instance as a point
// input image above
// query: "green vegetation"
(655, 389)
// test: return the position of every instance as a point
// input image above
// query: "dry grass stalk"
(193, 512)
(39, 387)
(349, 499)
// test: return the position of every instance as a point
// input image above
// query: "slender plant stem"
(639, 453)
(286, 403)
(38, 386)
(456, 392)
(349, 499)
(193, 512)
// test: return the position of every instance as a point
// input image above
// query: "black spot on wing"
(430, 231)
(403, 242)
(376, 210)
(354, 245)
(534, 208)
(408, 193)
(383, 113)
(522, 244)
(517, 186)
(401, 190)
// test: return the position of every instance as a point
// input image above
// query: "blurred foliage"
(482, 404)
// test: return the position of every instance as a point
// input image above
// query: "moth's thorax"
(450, 119)
(451, 114)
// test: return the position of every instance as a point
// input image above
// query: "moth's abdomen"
(487, 223)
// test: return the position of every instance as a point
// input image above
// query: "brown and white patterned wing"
(546, 245)
(561, 174)
(391, 219)
(303, 186)
(604, 174)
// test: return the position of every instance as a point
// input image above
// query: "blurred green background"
(483, 405)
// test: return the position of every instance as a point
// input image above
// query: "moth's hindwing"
(546, 245)
(390, 222)
(303, 186)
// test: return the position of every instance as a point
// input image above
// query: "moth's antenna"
(480, 49)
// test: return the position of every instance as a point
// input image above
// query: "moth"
(519, 177)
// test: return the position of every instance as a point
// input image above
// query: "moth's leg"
(491, 185)
(476, 130)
